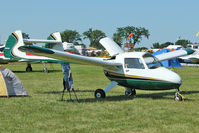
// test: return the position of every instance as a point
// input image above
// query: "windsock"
(129, 35)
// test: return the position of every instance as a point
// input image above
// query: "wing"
(174, 54)
(56, 54)
(112, 47)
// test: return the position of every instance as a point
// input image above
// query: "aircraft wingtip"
(189, 51)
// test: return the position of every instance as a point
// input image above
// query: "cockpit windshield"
(151, 61)
(133, 63)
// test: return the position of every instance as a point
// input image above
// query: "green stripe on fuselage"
(146, 84)
(142, 83)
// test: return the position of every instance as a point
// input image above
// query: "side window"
(133, 63)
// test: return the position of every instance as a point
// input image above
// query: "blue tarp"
(168, 63)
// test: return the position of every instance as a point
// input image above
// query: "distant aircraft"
(132, 70)
(70, 48)
(193, 58)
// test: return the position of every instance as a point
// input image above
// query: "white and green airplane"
(132, 70)
(12, 54)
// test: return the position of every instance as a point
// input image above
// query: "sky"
(166, 20)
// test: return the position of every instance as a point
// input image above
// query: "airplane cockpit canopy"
(141, 60)
(151, 61)
(135, 63)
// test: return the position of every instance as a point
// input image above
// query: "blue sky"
(166, 20)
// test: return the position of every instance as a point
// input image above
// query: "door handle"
(127, 70)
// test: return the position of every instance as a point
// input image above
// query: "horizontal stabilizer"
(40, 41)
(112, 47)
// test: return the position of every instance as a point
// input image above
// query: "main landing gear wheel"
(45, 70)
(99, 93)
(28, 69)
(132, 92)
(178, 97)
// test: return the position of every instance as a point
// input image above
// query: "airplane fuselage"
(137, 74)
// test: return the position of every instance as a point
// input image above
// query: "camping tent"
(168, 63)
(10, 85)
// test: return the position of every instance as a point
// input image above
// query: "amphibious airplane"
(132, 70)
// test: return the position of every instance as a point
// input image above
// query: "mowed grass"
(148, 112)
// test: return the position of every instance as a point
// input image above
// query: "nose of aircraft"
(173, 77)
(176, 78)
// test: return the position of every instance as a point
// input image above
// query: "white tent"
(10, 85)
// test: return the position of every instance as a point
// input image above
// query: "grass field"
(148, 112)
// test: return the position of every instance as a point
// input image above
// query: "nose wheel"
(178, 96)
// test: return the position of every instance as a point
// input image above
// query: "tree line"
(121, 36)
(181, 42)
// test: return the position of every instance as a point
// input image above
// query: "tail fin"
(15, 40)
(58, 46)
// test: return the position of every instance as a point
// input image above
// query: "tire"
(127, 93)
(28, 69)
(99, 93)
(133, 92)
(177, 97)
(45, 70)
(130, 93)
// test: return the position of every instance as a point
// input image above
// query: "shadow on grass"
(60, 92)
(161, 95)
(91, 100)
(66, 96)
(5, 97)
(49, 71)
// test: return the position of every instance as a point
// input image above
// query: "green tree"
(140, 48)
(25, 35)
(163, 45)
(118, 39)
(94, 36)
(156, 45)
(123, 32)
(71, 36)
(182, 43)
